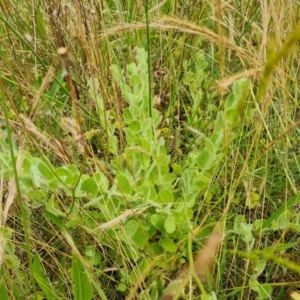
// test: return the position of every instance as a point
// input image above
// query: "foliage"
(108, 193)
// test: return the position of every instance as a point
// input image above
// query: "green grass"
(165, 165)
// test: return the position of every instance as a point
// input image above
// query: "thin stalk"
(149, 57)
(24, 215)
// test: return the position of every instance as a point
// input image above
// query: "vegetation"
(148, 149)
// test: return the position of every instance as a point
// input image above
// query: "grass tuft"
(149, 149)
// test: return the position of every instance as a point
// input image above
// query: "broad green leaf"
(26, 164)
(127, 116)
(45, 171)
(155, 249)
(123, 184)
(218, 135)
(140, 238)
(90, 186)
(165, 196)
(37, 178)
(239, 219)
(102, 181)
(168, 244)
(144, 160)
(170, 224)
(260, 265)
(56, 220)
(157, 220)
(244, 229)
(3, 292)
(175, 287)
(166, 179)
(131, 227)
(122, 287)
(282, 222)
(42, 280)
(281, 210)
(53, 208)
(147, 193)
(264, 290)
(241, 89)
(82, 287)
(38, 197)
(68, 174)
(211, 296)
(199, 180)
(252, 200)
(135, 127)
(206, 158)
(162, 160)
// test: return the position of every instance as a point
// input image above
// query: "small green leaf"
(170, 224)
(207, 156)
(123, 184)
(147, 193)
(205, 159)
(37, 177)
(162, 160)
(165, 196)
(37, 197)
(244, 229)
(175, 287)
(122, 287)
(135, 127)
(199, 180)
(102, 181)
(68, 174)
(260, 265)
(90, 186)
(218, 135)
(264, 290)
(52, 207)
(127, 116)
(252, 200)
(131, 227)
(157, 220)
(281, 210)
(144, 160)
(168, 244)
(45, 171)
(140, 238)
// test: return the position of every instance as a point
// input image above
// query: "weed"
(160, 161)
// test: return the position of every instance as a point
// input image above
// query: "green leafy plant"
(142, 177)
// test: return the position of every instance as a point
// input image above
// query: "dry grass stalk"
(63, 52)
(4, 214)
(205, 258)
(121, 218)
(203, 263)
(226, 82)
(171, 23)
(69, 125)
(54, 144)
(47, 79)
(66, 60)
(12, 192)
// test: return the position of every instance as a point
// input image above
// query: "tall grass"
(176, 123)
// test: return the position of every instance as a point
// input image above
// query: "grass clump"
(156, 158)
